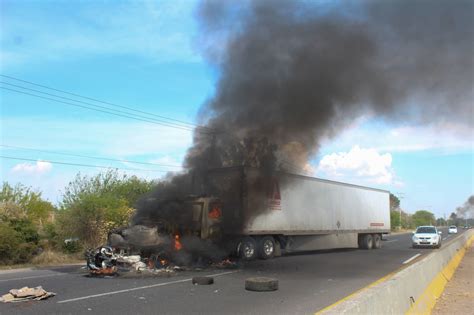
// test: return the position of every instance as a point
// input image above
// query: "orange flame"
(177, 243)
(150, 264)
(104, 271)
(215, 212)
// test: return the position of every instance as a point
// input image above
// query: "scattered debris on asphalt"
(203, 280)
(225, 264)
(105, 261)
(26, 294)
(101, 261)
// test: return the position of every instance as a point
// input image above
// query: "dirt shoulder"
(28, 267)
(458, 295)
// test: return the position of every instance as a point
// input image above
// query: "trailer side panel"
(298, 205)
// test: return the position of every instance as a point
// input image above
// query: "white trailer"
(263, 214)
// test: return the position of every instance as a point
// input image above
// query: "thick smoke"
(297, 72)
(293, 73)
(466, 211)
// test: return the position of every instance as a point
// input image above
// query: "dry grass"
(49, 257)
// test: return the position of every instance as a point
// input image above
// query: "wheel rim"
(249, 250)
(377, 242)
(370, 242)
(268, 247)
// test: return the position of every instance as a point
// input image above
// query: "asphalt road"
(307, 283)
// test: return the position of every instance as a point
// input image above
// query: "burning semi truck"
(243, 211)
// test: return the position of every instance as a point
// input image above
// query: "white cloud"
(367, 164)
(40, 167)
(442, 137)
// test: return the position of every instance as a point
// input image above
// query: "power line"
(87, 156)
(102, 111)
(104, 102)
(77, 164)
(107, 110)
(170, 124)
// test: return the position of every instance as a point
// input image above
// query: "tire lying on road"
(261, 284)
(203, 280)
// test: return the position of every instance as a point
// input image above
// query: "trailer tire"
(261, 284)
(266, 247)
(247, 248)
(203, 280)
(367, 241)
(377, 241)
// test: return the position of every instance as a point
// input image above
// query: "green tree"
(23, 214)
(394, 202)
(441, 222)
(92, 206)
(423, 217)
(20, 201)
(394, 219)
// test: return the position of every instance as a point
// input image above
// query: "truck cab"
(206, 217)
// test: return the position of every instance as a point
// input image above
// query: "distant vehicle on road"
(426, 236)
(467, 227)
(453, 229)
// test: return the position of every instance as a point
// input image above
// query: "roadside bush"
(93, 206)
(9, 244)
(26, 230)
(72, 247)
(18, 241)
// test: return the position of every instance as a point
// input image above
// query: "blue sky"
(146, 55)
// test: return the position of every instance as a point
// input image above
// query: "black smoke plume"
(466, 211)
(297, 72)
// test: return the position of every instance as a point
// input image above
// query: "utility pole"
(400, 196)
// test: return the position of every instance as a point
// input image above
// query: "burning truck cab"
(207, 217)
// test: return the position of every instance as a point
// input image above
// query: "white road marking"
(33, 277)
(140, 288)
(410, 259)
(391, 241)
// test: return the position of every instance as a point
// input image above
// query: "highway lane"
(308, 282)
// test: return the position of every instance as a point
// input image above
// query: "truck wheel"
(266, 247)
(261, 284)
(367, 241)
(247, 248)
(377, 241)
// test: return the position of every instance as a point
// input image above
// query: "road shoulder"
(458, 295)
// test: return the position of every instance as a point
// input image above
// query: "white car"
(426, 236)
(453, 229)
